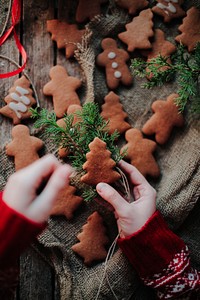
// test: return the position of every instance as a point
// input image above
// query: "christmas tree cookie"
(112, 110)
(93, 240)
(139, 31)
(19, 101)
(99, 165)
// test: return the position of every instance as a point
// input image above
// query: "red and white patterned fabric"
(162, 260)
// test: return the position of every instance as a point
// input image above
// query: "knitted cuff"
(16, 233)
(151, 248)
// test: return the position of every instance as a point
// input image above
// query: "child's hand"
(21, 189)
(130, 216)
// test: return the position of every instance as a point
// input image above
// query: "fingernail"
(100, 186)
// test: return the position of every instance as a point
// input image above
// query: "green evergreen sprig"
(184, 66)
(77, 137)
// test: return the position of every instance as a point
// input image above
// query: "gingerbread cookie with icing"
(169, 9)
(99, 164)
(132, 5)
(166, 116)
(139, 31)
(65, 35)
(112, 111)
(114, 59)
(190, 29)
(23, 147)
(62, 88)
(67, 203)
(140, 153)
(88, 9)
(92, 240)
(19, 101)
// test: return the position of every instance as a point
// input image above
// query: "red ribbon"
(16, 13)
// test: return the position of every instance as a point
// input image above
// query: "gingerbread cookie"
(19, 101)
(23, 147)
(160, 46)
(132, 5)
(166, 116)
(114, 60)
(93, 240)
(67, 202)
(112, 110)
(65, 35)
(72, 109)
(139, 31)
(140, 153)
(63, 89)
(88, 9)
(169, 9)
(190, 29)
(99, 164)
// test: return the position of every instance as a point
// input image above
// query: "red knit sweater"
(162, 260)
(16, 233)
(158, 255)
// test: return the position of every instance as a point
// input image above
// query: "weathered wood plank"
(37, 280)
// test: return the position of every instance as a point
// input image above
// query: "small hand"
(21, 189)
(130, 216)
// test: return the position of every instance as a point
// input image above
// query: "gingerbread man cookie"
(166, 116)
(169, 9)
(19, 101)
(88, 9)
(23, 147)
(63, 89)
(160, 46)
(114, 60)
(132, 5)
(140, 153)
(112, 110)
(99, 164)
(65, 35)
(67, 203)
(190, 29)
(92, 240)
(139, 31)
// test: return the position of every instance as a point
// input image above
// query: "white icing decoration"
(21, 99)
(111, 55)
(117, 74)
(21, 90)
(114, 65)
(169, 7)
(17, 108)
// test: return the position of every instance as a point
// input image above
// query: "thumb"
(109, 194)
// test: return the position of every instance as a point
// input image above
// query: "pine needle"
(184, 66)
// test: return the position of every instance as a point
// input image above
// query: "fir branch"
(89, 194)
(77, 137)
(184, 66)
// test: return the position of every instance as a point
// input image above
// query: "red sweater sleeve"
(161, 258)
(16, 233)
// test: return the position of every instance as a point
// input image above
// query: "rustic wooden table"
(37, 278)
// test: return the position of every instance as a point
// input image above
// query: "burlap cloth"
(178, 187)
